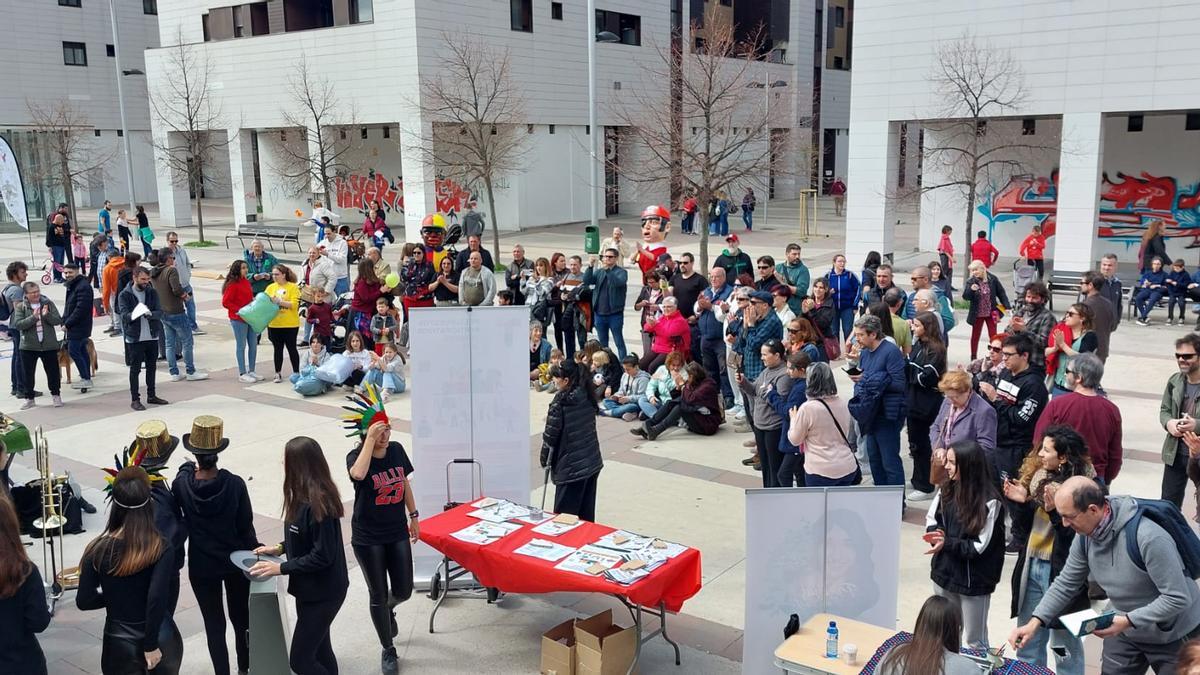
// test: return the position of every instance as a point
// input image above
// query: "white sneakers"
(247, 378)
(918, 496)
(190, 377)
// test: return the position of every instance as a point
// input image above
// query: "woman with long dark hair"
(926, 365)
(367, 289)
(316, 564)
(934, 649)
(236, 294)
(127, 571)
(23, 609)
(819, 309)
(1046, 540)
(570, 446)
(558, 272)
(285, 327)
(697, 405)
(1154, 245)
(870, 266)
(767, 423)
(383, 529)
(965, 532)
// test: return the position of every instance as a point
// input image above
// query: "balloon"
(299, 213)
(392, 280)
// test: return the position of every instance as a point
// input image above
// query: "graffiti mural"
(1126, 204)
(356, 191)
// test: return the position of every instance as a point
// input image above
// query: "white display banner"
(470, 399)
(813, 550)
(12, 191)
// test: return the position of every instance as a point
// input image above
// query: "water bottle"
(831, 641)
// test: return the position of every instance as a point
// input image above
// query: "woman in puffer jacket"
(570, 447)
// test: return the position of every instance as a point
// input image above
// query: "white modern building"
(376, 52)
(1105, 139)
(62, 54)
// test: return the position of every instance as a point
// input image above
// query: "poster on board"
(837, 551)
(12, 191)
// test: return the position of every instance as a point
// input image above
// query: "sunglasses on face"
(995, 350)
(1184, 357)
(1071, 312)
(793, 330)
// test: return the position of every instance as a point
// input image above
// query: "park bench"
(268, 234)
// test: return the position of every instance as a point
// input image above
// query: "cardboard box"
(558, 649)
(602, 647)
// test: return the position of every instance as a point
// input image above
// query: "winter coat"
(570, 446)
(925, 370)
(735, 265)
(1155, 248)
(821, 316)
(671, 332)
(77, 309)
(1020, 400)
(1033, 247)
(711, 326)
(844, 288)
(705, 394)
(999, 297)
(165, 280)
(236, 296)
(23, 320)
(1169, 409)
(783, 405)
(127, 302)
(109, 280)
(967, 564)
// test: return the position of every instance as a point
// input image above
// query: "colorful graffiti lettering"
(357, 191)
(1125, 205)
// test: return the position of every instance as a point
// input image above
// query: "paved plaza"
(684, 487)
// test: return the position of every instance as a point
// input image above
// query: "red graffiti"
(1152, 192)
(356, 192)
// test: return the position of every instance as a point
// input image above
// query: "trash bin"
(591, 239)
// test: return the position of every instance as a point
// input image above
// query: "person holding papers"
(570, 447)
(1156, 605)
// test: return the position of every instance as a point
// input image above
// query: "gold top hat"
(207, 437)
(152, 437)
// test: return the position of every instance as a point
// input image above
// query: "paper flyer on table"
(624, 540)
(484, 532)
(553, 529)
(546, 550)
(585, 557)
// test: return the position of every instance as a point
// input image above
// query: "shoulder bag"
(857, 467)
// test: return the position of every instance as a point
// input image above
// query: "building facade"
(376, 53)
(1102, 142)
(72, 65)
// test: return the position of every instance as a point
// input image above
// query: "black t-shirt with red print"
(380, 516)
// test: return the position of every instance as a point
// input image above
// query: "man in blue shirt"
(105, 220)
(608, 297)
(883, 378)
(712, 330)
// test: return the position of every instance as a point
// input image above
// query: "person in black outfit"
(1019, 398)
(686, 287)
(23, 609)
(316, 564)
(169, 521)
(570, 447)
(926, 365)
(216, 509)
(129, 576)
(141, 334)
(383, 529)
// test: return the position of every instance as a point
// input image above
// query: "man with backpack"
(1145, 556)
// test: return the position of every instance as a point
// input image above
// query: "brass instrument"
(52, 521)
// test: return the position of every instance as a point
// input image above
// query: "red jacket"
(671, 332)
(236, 296)
(365, 295)
(983, 251)
(371, 227)
(1033, 247)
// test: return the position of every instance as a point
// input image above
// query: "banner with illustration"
(12, 190)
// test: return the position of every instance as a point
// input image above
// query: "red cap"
(733, 239)
(656, 211)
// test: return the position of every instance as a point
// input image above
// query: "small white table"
(804, 652)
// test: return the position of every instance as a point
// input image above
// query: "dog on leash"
(65, 362)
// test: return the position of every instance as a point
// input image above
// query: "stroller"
(341, 325)
(1023, 275)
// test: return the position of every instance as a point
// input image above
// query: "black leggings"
(767, 441)
(651, 361)
(381, 563)
(281, 338)
(208, 597)
(312, 652)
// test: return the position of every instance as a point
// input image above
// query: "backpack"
(1167, 516)
(5, 307)
(947, 312)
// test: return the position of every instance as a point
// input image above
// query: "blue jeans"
(748, 218)
(813, 480)
(611, 323)
(648, 409)
(882, 444)
(1034, 649)
(59, 254)
(342, 286)
(614, 409)
(247, 346)
(18, 370)
(1145, 300)
(179, 334)
(688, 223)
(724, 225)
(189, 306)
(77, 348)
(845, 318)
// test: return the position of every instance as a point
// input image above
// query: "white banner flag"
(12, 191)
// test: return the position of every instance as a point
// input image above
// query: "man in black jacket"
(608, 284)
(141, 334)
(736, 263)
(1019, 398)
(77, 320)
(463, 260)
(58, 238)
(518, 268)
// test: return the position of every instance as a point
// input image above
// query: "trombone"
(52, 522)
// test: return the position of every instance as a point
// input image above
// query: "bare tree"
(976, 82)
(721, 136)
(477, 119)
(322, 150)
(192, 124)
(75, 158)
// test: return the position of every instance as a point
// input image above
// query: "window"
(838, 63)
(239, 26)
(700, 45)
(342, 134)
(96, 133)
(204, 25)
(307, 14)
(149, 6)
(362, 11)
(521, 15)
(1028, 127)
(1135, 123)
(726, 3)
(1192, 123)
(387, 132)
(363, 133)
(68, 3)
(556, 11)
(551, 128)
(74, 54)
(120, 133)
(110, 50)
(981, 128)
(628, 27)
(839, 17)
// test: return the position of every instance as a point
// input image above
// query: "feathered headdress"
(131, 456)
(367, 410)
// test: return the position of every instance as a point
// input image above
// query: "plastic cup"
(850, 654)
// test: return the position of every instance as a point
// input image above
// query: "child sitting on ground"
(387, 372)
(305, 382)
(362, 358)
(383, 324)
(544, 383)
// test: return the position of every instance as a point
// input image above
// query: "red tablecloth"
(496, 566)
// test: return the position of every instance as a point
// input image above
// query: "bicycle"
(49, 267)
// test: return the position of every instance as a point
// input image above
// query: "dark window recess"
(839, 17)
(587, 130)
(700, 46)
(149, 6)
(69, 3)
(204, 25)
(1028, 127)
(551, 126)
(529, 128)
(342, 134)
(74, 54)
(387, 132)
(1135, 123)
(726, 3)
(259, 23)
(617, 86)
(696, 12)
(283, 135)
(981, 128)
(239, 24)
(97, 133)
(628, 27)
(120, 133)
(493, 130)
(838, 63)
(362, 11)
(307, 14)
(1192, 123)
(363, 133)
(110, 50)
(556, 11)
(521, 15)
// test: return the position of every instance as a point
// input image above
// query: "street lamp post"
(112, 11)
(593, 152)
(766, 85)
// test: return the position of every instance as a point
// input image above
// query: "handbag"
(833, 350)
(937, 472)
(146, 234)
(857, 467)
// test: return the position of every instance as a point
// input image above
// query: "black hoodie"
(219, 519)
(1019, 403)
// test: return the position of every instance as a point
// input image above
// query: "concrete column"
(419, 194)
(872, 170)
(241, 177)
(174, 201)
(1074, 242)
